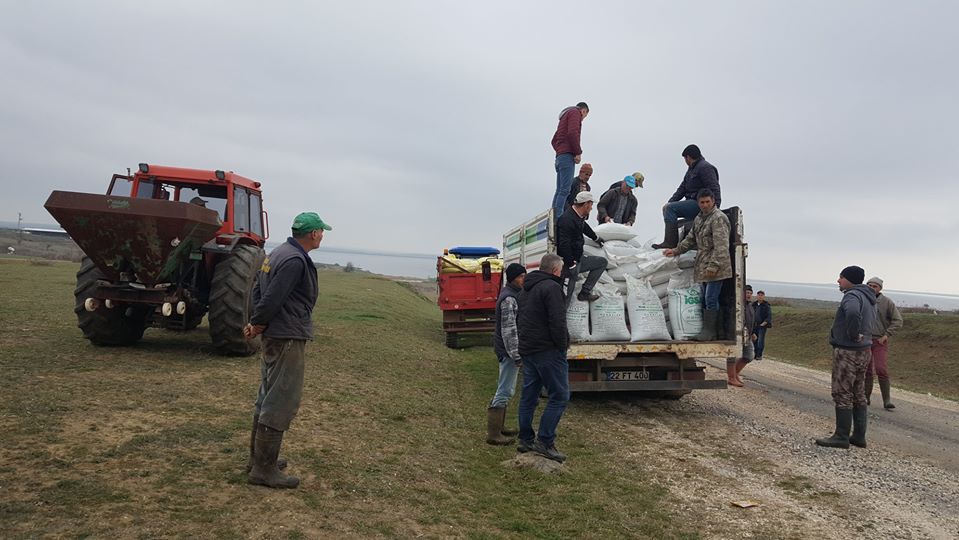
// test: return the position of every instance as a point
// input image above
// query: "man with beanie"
(568, 151)
(283, 299)
(543, 340)
(700, 174)
(580, 183)
(851, 338)
(506, 347)
(618, 204)
(888, 321)
(570, 228)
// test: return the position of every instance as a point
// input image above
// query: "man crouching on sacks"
(283, 299)
(710, 237)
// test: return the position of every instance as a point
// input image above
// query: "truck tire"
(231, 302)
(104, 327)
(451, 340)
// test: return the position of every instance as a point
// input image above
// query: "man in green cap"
(283, 300)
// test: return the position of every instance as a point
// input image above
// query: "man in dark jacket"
(568, 151)
(543, 341)
(851, 338)
(580, 183)
(283, 299)
(506, 347)
(700, 174)
(735, 366)
(764, 321)
(570, 228)
(618, 204)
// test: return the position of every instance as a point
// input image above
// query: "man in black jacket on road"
(570, 228)
(543, 341)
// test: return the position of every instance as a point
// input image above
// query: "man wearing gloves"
(618, 204)
(888, 321)
(506, 347)
(851, 338)
(570, 228)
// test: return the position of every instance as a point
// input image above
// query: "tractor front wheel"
(231, 302)
(121, 325)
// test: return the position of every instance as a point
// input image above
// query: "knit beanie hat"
(513, 271)
(854, 274)
(875, 280)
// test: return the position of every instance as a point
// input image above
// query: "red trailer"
(468, 288)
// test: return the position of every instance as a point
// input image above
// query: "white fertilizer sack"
(577, 318)
(646, 318)
(685, 305)
(608, 316)
(614, 231)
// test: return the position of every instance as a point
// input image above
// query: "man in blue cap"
(618, 204)
(283, 299)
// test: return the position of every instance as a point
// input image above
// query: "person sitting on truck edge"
(543, 340)
(506, 347)
(700, 175)
(710, 237)
(618, 204)
(283, 299)
(568, 151)
(570, 228)
(851, 339)
(734, 366)
(764, 321)
(580, 183)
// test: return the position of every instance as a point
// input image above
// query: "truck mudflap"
(682, 349)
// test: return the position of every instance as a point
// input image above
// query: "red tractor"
(166, 246)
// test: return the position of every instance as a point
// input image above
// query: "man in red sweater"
(568, 152)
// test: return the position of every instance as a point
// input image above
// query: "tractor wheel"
(103, 326)
(231, 303)
(451, 340)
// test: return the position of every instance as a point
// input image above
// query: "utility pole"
(19, 228)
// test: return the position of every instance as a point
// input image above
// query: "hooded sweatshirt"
(566, 138)
(542, 314)
(855, 318)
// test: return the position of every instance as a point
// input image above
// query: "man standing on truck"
(618, 204)
(711, 238)
(543, 340)
(570, 228)
(568, 151)
(764, 321)
(580, 183)
(888, 321)
(283, 299)
(700, 174)
(851, 338)
(506, 347)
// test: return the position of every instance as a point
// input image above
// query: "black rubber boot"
(670, 238)
(494, 427)
(505, 431)
(267, 449)
(860, 417)
(839, 439)
(884, 388)
(548, 451)
(281, 463)
(869, 391)
(710, 321)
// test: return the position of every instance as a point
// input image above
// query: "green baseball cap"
(308, 222)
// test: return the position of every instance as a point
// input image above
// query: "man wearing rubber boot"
(506, 347)
(283, 299)
(851, 338)
(700, 174)
(888, 321)
(710, 237)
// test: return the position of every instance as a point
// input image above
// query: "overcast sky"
(414, 126)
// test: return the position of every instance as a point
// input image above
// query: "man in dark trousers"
(570, 228)
(851, 338)
(618, 204)
(506, 347)
(283, 299)
(568, 151)
(543, 341)
(764, 321)
(700, 174)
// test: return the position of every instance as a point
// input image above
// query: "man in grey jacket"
(851, 338)
(618, 204)
(888, 321)
(283, 299)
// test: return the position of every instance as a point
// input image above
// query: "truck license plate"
(627, 375)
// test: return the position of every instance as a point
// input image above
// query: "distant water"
(778, 289)
(407, 265)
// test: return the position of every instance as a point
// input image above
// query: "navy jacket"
(542, 314)
(285, 293)
(700, 174)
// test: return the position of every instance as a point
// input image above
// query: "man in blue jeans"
(568, 152)
(543, 341)
(506, 347)
(700, 174)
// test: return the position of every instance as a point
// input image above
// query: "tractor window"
(213, 196)
(145, 189)
(120, 186)
(256, 215)
(241, 210)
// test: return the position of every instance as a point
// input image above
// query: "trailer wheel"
(231, 302)
(104, 326)
(452, 340)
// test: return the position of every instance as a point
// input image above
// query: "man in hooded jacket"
(568, 151)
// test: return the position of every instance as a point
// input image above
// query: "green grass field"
(150, 440)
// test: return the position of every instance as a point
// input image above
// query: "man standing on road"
(734, 366)
(283, 299)
(700, 175)
(764, 321)
(618, 204)
(506, 347)
(543, 341)
(568, 151)
(851, 338)
(888, 321)
(580, 183)
(710, 237)
(570, 228)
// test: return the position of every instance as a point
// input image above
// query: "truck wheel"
(451, 340)
(103, 326)
(231, 301)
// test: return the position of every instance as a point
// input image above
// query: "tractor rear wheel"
(121, 325)
(231, 302)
